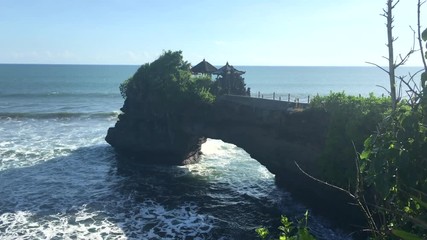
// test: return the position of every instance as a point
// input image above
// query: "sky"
(241, 32)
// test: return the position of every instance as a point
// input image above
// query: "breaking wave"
(55, 94)
(58, 115)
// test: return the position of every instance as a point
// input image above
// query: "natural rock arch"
(267, 130)
(168, 114)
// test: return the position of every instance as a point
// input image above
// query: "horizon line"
(122, 64)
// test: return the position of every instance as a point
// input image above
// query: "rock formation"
(150, 138)
(166, 126)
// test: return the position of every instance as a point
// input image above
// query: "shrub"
(167, 84)
(352, 120)
(288, 231)
(393, 166)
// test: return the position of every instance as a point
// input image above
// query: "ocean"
(59, 179)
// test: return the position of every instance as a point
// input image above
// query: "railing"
(267, 102)
(282, 97)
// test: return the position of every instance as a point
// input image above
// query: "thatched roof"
(204, 67)
(228, 69)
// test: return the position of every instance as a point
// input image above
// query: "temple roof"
(228, 69)
(204, 67)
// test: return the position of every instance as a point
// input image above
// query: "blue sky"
(242, 32)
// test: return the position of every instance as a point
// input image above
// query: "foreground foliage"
(288, 231)
(394, 171)
(389, 183)
(393, 165)
(391, 171)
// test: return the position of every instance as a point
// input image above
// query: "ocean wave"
(59, 115)
(55, 94)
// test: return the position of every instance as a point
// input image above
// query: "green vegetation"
(390, 179)
(168, 84)
(390, 171)
(393, 165)
(352, 120)
(288, 231)
(393, 168)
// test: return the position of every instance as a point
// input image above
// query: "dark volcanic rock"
(167, 115)
(267, 130)
(149, 137)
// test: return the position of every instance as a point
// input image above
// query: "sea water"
(303, 83)
(60, 180)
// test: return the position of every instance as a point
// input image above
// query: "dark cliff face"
(158, 98)
(271, 134)
(147, 136)
(275, 137)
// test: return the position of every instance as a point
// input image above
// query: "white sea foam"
(58, 180)
(57, 185)
(36, 141)
(105, 214)
(21, 225)
(223, 162)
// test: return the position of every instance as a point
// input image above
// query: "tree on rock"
(159, 98)
(167, 83)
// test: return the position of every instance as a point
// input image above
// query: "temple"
(203, 67)
(228, 69)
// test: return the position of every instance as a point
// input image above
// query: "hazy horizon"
(193, 64)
